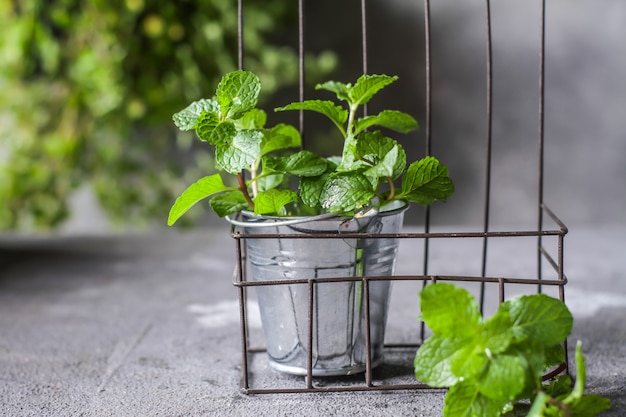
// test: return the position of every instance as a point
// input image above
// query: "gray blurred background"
(585, 102)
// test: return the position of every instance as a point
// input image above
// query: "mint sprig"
(491, 365)
(265, 164)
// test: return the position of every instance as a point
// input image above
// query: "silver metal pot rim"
(259, 220)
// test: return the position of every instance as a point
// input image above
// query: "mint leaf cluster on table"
(491, 365)
(264, 159)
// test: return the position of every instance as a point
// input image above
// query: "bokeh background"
(88, 89)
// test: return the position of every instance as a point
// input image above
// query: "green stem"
(244, 190)
(392, 189)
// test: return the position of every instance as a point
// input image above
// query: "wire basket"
(546, 251)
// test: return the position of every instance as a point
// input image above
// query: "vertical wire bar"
(542, 68)
(243, 296)
(309, 359)
(488, 151)
(364, 44)
(428, 143)
(240, 34)
(244, 383)
(302, 74)
(561, 277)
(364, 35)
(368, 333)
(501, 289)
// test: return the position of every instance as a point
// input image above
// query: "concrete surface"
(147, 325)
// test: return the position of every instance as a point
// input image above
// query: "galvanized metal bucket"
(338, 323)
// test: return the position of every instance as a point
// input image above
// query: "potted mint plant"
(365, 190)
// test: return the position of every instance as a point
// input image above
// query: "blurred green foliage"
(88, 88)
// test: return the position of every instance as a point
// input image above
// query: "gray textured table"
(148, 325)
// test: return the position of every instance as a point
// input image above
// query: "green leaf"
(207, 125)
(470, 361)
(269, 181)
(239, 153)
(532, 355)
(311, 190)
(367, 86)
(560, 386)
(197, 191)
(387, 155)
(450, 310)
(280, 137)
(346, 192)
(504, 379)
(229, 203)
(253, 119)
(300, 164)
(433, 358)
(425, 181)
(187, 118)
(464, 400)
(237, 93)
(272, 201)
(337, 114)
(554, 355)
(342, 90)
(590, 405)
(540, 317)
(496, 334)
(390, 119)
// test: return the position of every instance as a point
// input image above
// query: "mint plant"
(265, 160)
(492, 366)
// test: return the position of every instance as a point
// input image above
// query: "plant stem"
(255, 186)
(244, 190)
(351, 120)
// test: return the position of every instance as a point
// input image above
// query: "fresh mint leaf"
(301, 164)
(207, 129)
(386, 156)
(590, 405)
(337, 114)
(492, 365)
(450, 311)
(540, 317)
(201, 189)
(187, 118)
(269, 181)
(228, 203)
(554, 355)
(237, 93)
(496, 334)
(346, 192)
(470, 361)
(240, 152)
(280, 137)
(342, 90)
(504, 378)
(272, 201)
(465, 400)
(390, 119)
(433, 359)
(253, 119)
(311, 190)
(367, 86)
(425, 181)
(560, 386)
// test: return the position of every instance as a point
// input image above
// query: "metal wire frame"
(241, 282)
